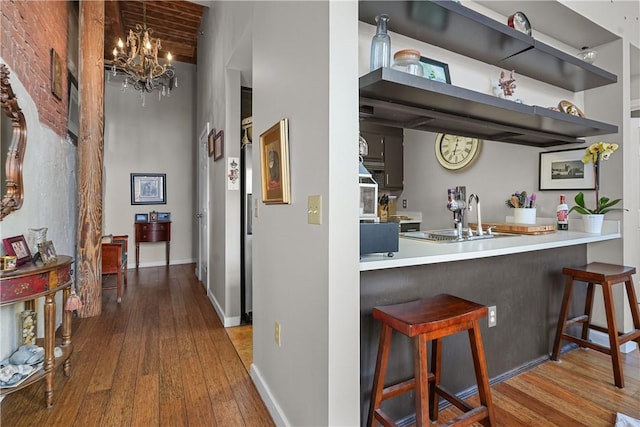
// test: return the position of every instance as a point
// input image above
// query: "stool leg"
(588, 308)
(421, 374)
(612, 326)
(379, 374)
(564, 311)
(633, 305)
(436, 364)
(482, 377)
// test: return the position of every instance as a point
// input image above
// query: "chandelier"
(139, 62)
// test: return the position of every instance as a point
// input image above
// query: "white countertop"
(418, 252)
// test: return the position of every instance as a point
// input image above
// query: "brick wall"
(30, 29)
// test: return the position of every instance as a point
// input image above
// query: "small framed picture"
(142, 217)
(564, 170)
(148, 188)
(274, 163)
(17, 246)
(47, 252)
(218, 145)
(56, 74)
(153, 216)
(164, 216)
(210, 139)
(435, 70)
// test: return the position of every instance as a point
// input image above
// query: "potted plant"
(593, 218)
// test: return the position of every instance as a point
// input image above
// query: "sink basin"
(449, 236)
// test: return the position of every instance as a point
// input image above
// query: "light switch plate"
(314, 210)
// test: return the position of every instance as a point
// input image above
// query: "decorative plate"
(569, 108)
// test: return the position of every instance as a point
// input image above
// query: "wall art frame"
(17, 246)
(564, 170)
(435, 70)
(142, 217)
(210, 139)
(218, 145)
(274, 164)
(56, 74)
(148, 188)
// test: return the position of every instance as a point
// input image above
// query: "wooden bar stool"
(423, 320)
(605, 275)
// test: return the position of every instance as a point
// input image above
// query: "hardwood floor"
(162, 358)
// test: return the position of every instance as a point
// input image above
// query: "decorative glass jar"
(408, 60)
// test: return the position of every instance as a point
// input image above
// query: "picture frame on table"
(210, 139)
(164, 216)
(218, 145)
(564, 170)
(274, 162)
(17, 246)
(148, 188)
(142, 217)
(435, 70)
(47, 252)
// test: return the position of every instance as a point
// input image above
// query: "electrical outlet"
(404, 203)
(493, 317)
(276, 334)
(314, 210)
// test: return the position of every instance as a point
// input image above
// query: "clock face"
(455, 152)
(519, 21)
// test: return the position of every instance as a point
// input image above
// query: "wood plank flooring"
(162, 358)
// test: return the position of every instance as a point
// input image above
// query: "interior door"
(202, 214)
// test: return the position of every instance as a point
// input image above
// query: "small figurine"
(508, 86)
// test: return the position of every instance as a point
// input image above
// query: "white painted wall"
(157, 138)
(49, 173)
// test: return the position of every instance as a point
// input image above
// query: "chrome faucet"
(456, 204)
(475, 197)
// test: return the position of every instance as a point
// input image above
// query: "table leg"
(137, 254)
(168, 250)
(66, 329)
(49, 344)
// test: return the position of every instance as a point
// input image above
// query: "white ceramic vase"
(593, 223)
(524, 215)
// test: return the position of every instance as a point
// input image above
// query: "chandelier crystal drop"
(139, 65)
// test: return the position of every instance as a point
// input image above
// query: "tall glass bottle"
(381, 44)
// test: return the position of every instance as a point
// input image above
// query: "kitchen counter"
(420, 252)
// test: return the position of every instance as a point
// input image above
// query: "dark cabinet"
(385, 158)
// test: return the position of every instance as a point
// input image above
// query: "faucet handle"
(489, 231)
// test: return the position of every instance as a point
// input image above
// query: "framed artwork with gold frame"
(56, 74)
(274, 163)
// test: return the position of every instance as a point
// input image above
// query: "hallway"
(160, 358)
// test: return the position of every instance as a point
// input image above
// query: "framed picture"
(210, 138)
(563, 170)
(274, 162)
(142, 217)
(435, 70)
(218, 145)
(17, 246)
(47, 252)
(56, 74)
(164, 216)
(72, 115)
(148, 188)
(153, 216)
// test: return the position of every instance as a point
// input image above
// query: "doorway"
(246, 203)
(202, 216)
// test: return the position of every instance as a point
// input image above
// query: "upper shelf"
(459, 29)
(400, 99)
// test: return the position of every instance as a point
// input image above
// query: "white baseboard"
(603, 339)
(160, 263)
(272, 406)
(226, 321)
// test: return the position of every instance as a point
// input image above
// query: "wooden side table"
(148, 232)
(27, 284)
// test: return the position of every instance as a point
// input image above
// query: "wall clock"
(456, 152)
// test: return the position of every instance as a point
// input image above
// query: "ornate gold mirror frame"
(15, 148)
